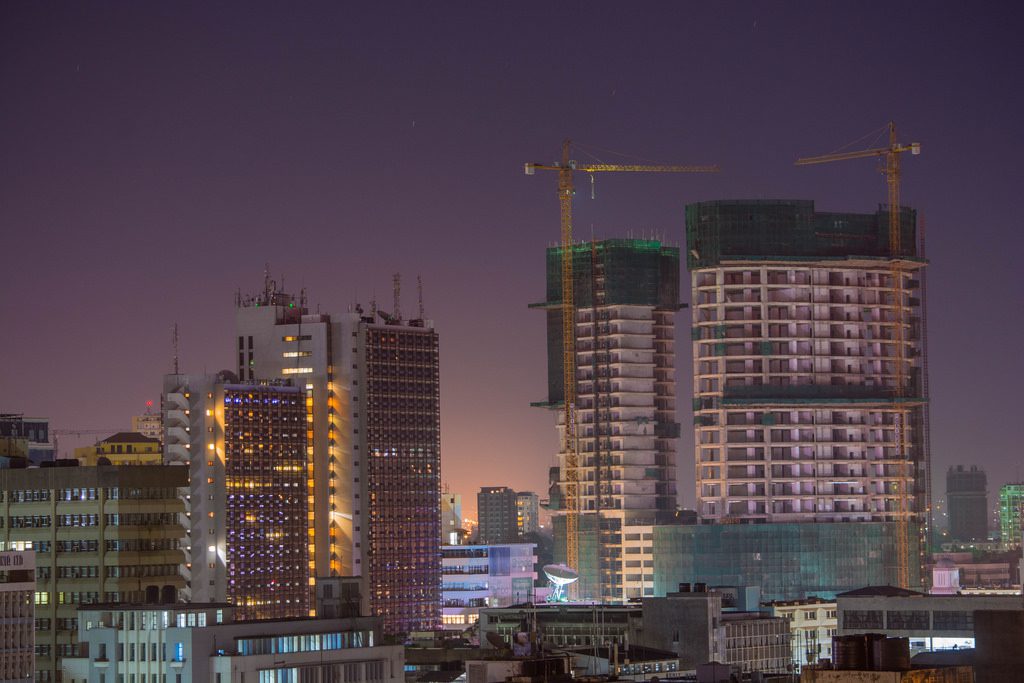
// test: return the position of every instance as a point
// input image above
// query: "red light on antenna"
(149, 404)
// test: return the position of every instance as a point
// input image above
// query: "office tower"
(279, 338)
(497, 515)
(1011, 514)
(626, 297)
(17, 616)
(527, 512)
(967, 501)
(100, 534)
(123, 448)
(245, 446)
(799, 413)
(149, 423)
(395, 398)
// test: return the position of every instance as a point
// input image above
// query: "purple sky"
(154, 155)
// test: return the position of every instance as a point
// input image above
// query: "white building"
(812, 623)
(808, 388)
(200, 643)
(478, 576)
(279, 338)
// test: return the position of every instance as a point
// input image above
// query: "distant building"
(496, 512)
(149, 423)
(123, 448)
(245, 447)
(1011, 513)
(477, 576)
(100, 534)
(812, 623)
(452, 529)
(967, 501)
(201, 643)
(787, 561)
(17, 616)
(32, 432)
(527, 512)
(565, 625)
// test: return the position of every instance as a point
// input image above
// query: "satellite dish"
(561, 574)
(496, 640)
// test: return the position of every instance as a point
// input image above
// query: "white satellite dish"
(560, 576)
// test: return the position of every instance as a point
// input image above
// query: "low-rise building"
(201, 643)
(812, 623)
(564, 625)
(478, 576)
(754, 641)
(931, 622)
(123, 448)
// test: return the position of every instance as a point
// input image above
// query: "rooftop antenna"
(266, 282)
(419, 294)
(174, 345)
(373, 305)
(396, 311)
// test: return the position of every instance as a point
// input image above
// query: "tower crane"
(566, 170)
(890, 155)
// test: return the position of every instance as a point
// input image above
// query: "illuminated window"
(297, 371)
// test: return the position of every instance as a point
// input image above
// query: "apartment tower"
(245, 446)
(797, 333)
(396, 445)
(626, 296)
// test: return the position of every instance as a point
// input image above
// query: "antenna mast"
(396, 311)
(174, 346)
(419, 293)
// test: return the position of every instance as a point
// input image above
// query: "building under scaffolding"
(799, 399)
(626, 296)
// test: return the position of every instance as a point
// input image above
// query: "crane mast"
(566, 190)
(891, 157)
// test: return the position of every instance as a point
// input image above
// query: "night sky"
(154, 156)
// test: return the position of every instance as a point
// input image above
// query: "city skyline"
(155, 158)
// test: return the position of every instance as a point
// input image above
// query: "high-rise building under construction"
(802, 410)
(626, 294)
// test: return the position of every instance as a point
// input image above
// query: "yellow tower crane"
(890, 154)
(566, 189)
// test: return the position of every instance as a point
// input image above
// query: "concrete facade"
(200, 643)
(99, 534)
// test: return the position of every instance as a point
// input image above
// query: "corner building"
(396, 406)
(798, 333)
(626, 295)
